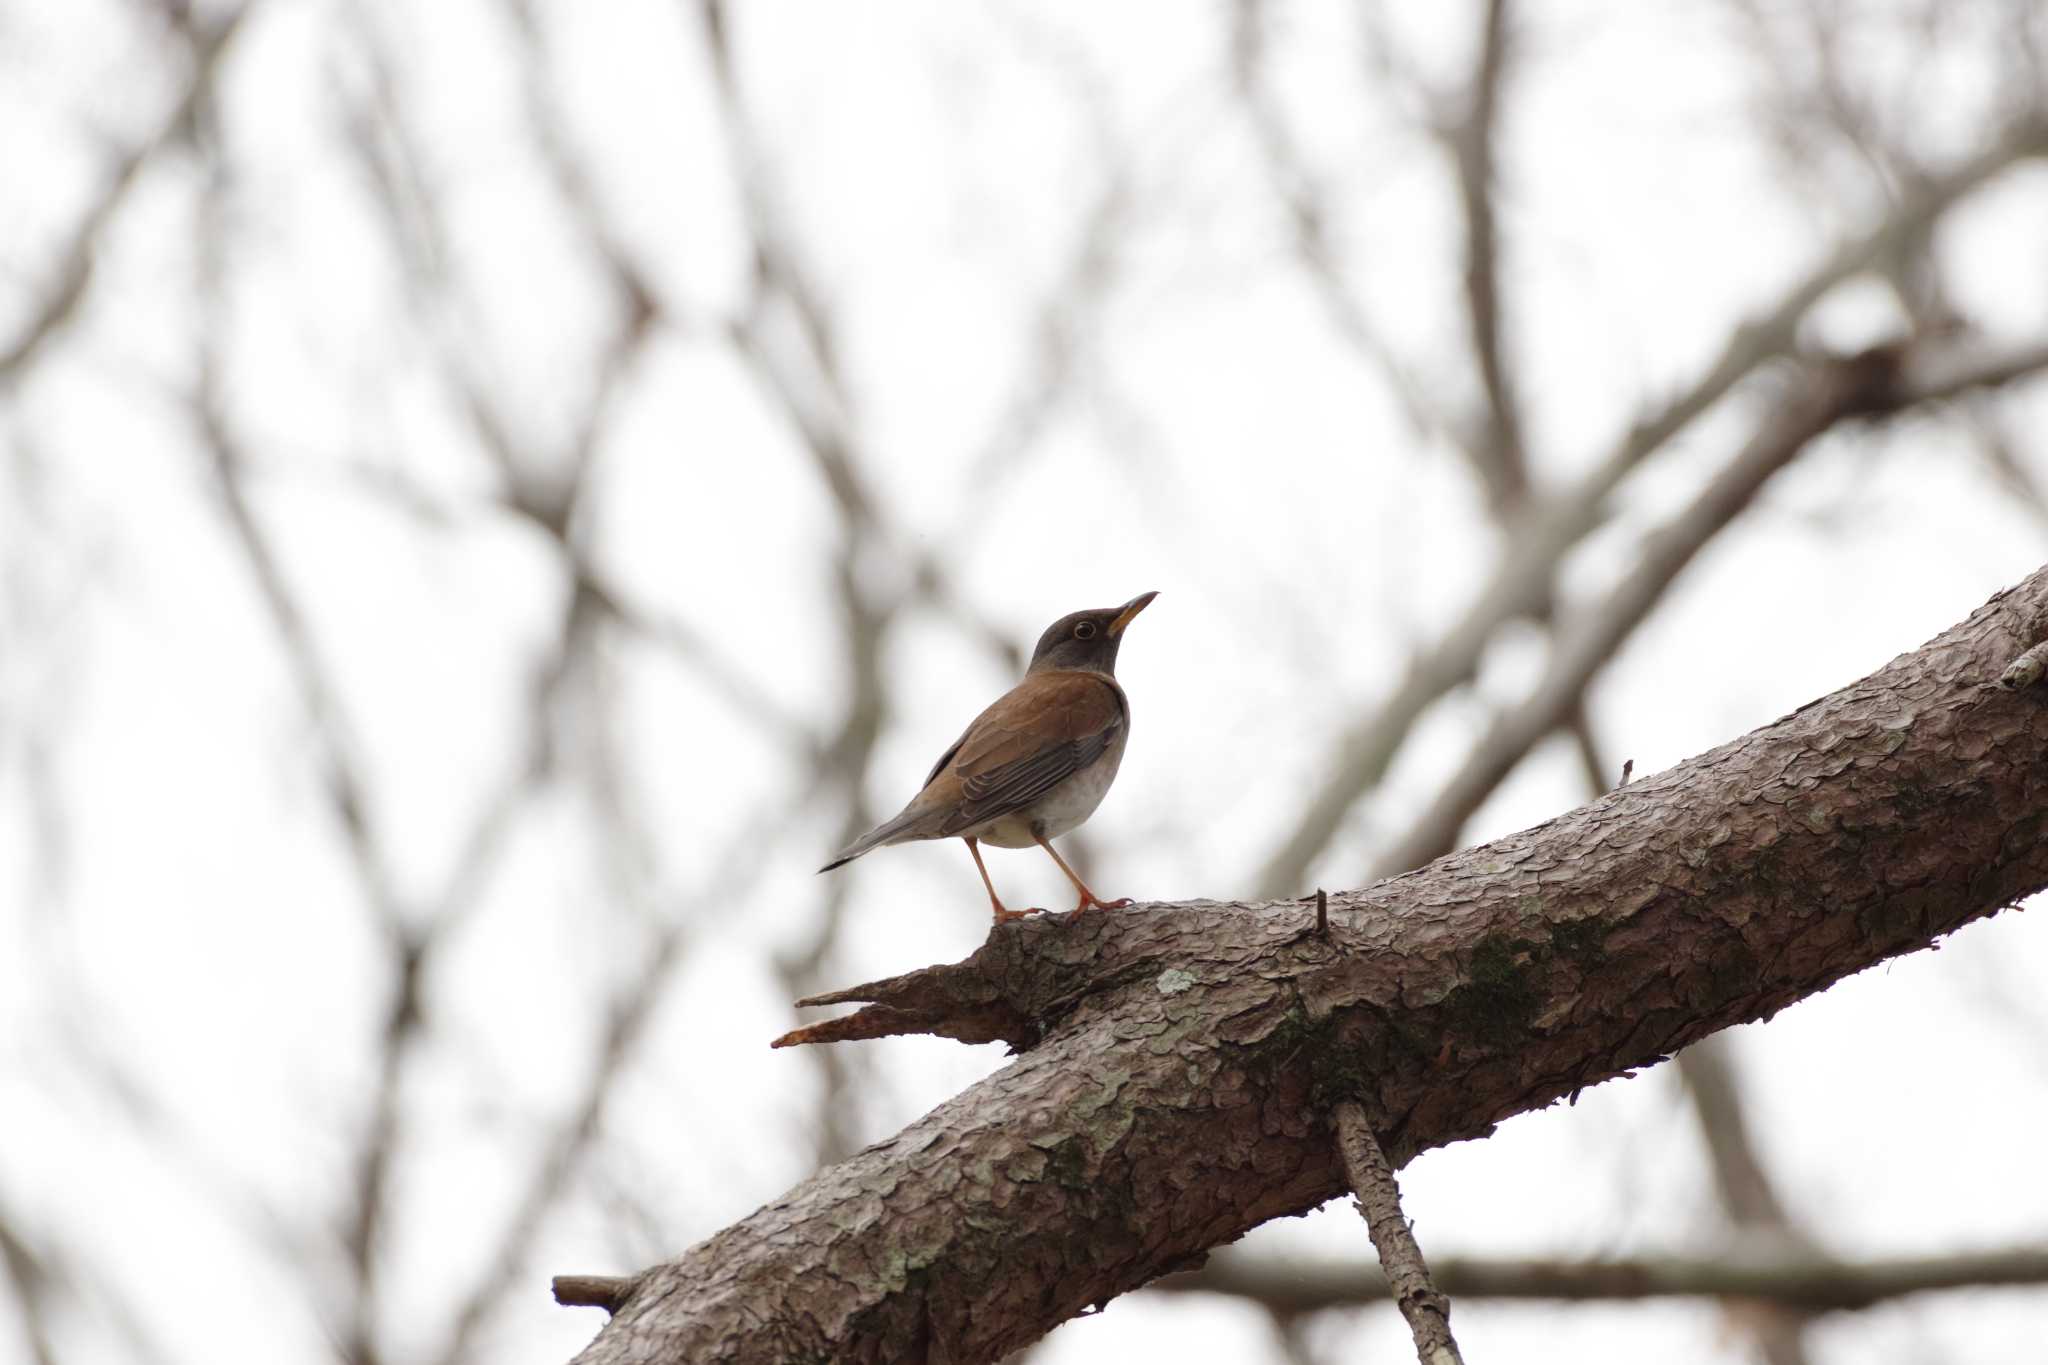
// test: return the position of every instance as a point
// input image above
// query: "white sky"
(202, 931)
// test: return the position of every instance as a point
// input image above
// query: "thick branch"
(1180, 1062)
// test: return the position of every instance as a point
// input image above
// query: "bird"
(1036, 763)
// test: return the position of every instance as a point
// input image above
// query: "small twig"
(1322, 913)
(2026, 670)
(1628, 770)
(1379, 1202)
(592, 1291)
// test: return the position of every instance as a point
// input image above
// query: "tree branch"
(72, 276)
(1502, 461)
(1308, 215)
(1744, 1184)
(28, 1273)
(1556, 522)
(1789, 1277)
(1875, 383)
(1379, 1202)
(1179, 1063)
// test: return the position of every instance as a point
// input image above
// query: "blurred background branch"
(1803, 1280)
(492, 492)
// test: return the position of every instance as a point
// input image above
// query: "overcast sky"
(194, 985)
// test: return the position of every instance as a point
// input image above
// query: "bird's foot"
(1005, 915)
(1090, 903)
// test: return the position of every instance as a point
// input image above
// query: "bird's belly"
(1059, 810)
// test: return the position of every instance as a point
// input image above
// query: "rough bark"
(1179, 1061)
(1423, 1306)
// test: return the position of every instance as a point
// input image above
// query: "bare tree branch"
(50, 1282)
(574, 1135)
(412, 930)
(1379, 1202)
(1309, 216)
(1498, 450)
(1745, 1186)
(1179, 1062)
(1874, 383)
(208, 46)
(1553, 525)
(33, 1282)
(1791, 1277)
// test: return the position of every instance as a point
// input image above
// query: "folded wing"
(1026, 744)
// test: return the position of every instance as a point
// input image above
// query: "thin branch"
(1744, 1183)
(48, 1281)
(577, 1132)
(743, 694)
(1379, 1202)
(412, 932)
(208, 45)
(634, 287)
(1586, 745)
(1875, 383)
(1059, 330)
(1499, 454)
(35, 1285)
(1521, 579)
(1791, 1277)
(787, 338)
(1746, 1189)
(1308, 215)
(338, 759)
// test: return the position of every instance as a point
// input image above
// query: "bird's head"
(1087, 639)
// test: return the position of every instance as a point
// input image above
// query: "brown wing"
(1041, 732)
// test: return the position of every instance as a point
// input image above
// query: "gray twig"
(1379, 1202)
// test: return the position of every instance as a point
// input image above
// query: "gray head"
(1087, 639)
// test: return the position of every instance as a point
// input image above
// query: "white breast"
(1064, 807)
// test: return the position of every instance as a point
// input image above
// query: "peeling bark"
(1179, 1061)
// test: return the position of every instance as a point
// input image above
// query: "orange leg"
(1088, 898)
(1003, 916)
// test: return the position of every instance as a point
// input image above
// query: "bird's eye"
(1085, 631)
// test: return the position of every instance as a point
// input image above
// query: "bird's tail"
(887, 832)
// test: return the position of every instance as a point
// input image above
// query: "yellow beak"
(1130, 612)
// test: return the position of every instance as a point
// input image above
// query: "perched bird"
(1035, 764)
